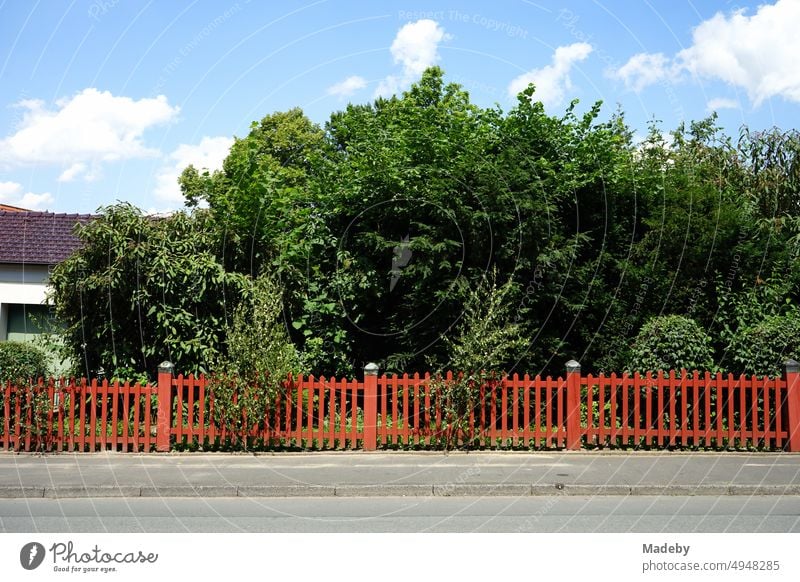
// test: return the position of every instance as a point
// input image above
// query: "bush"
(763, 347)
(19, 360)
(260, 358)
(671, 342)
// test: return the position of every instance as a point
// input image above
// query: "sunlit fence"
(692, 410)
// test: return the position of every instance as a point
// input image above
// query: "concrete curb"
(393, 490)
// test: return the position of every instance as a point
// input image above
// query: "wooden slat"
(549, 395)
(648, 377)
(720, 409)
(147, 391)
(126, 407)
(102, 404)
(7, 416)
(661, 384)
(484, 427)
(673, 428)
(515, 428)
(427, 389)
(115, 415)
(779, 408)
(612, 394)
(82, 415)
(60, 408)
(320, 436)
(406, 408)
(493, 416)
(744, 434)
(299, 412)
(637, 409)
(93, 416)
(201, 412)
(758, 434)
(50, 438)
(29, 401)
(190, 400)
(601, 409)
(684, 408)
(526, 411)
(561, 394)
(333, 391)
(384, 411)
(178, 427)
(730, 400)
(538, 411)
(395, 433)
(626, 429)
(354, 414)
(137, 421)
(696, 409)
(417, 413)
(343, 416)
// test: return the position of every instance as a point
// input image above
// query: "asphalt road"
(561, 513)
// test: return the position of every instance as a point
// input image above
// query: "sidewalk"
(397, 474)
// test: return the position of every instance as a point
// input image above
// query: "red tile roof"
(13, 208)
(42, 238)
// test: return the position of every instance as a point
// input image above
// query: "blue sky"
(105, 100)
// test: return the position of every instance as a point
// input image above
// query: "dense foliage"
(671, 342)
(374, 225)
(22, 361)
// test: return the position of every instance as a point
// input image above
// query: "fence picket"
(661, 409)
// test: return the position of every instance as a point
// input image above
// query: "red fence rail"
(70, 415)
(312, 413)
(677, 409)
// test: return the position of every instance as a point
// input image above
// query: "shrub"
(763, 347)
(259, 359)
(486, 343)
(671, 342)
(20, 360)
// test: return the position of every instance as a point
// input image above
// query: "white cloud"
(347, 87)
(644, 69)
(208, 154)
(756, 53)
(72, 172)
(11, 194)
(91, 127)
(415, 48)
(552, 81)
(722, 103)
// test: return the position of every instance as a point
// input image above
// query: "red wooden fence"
(674, 410)
(70, 415)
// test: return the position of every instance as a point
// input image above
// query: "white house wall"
(24, 284)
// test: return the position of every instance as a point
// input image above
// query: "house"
(31, 244)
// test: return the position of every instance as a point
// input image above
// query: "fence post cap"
(573, 366)
(166, 367)
(791, 366)
(371, 369)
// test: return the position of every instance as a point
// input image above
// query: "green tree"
(143, 289)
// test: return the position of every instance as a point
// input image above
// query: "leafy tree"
(142, 289)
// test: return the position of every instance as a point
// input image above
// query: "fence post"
(573, 405)
(370, 407)
(792, 376)
(164, 419)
